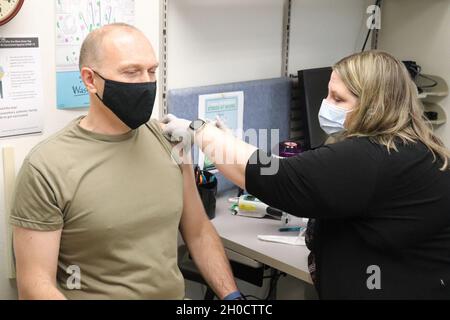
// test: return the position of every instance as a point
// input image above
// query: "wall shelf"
(440, 90)
(429, 95)
(434, 107)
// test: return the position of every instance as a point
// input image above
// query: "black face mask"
(132, 103)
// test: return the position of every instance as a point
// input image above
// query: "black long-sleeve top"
(382, 218)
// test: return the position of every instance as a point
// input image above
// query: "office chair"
(244, 269)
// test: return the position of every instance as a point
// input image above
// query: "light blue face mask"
(332, 118)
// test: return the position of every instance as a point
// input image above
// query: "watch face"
(8, 9)
(197, 124)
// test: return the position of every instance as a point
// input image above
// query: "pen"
(286, 229)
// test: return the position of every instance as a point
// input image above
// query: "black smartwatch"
(197, 125)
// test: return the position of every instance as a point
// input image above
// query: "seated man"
(98, 206)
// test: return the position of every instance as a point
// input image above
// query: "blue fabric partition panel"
(267, 105)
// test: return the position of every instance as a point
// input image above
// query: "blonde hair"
(388, 108)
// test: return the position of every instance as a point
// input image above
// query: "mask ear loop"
(95, 72)
(98, 74)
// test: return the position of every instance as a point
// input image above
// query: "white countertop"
(239, 234)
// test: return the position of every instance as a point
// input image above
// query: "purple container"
(290, 149)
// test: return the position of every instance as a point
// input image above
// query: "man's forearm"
(229, 154)
(40, 291)
(209, 256)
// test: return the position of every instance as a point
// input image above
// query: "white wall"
(420, 30)
(324, 31)
(222, 41)
(27, 23)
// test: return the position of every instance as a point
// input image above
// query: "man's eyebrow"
(137, 66)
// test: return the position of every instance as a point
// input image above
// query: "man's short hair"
(91, 47)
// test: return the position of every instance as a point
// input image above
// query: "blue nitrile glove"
(234, 296)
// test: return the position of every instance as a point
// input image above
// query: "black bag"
(208, 193)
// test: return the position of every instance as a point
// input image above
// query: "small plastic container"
(290, 149)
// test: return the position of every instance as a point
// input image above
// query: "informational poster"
(229, 107)
(75, 19)
(21, 91)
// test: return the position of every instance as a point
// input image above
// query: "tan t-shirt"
(118, 200)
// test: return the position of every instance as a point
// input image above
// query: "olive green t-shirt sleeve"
(34, 202)
(170, 147)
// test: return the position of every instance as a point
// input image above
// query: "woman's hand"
(177, 130)
(229, 154)
(219, 123)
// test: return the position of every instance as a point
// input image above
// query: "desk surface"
(240, 235)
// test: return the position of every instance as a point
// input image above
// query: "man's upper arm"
(193, 211)
(36, 254)
(38, 223)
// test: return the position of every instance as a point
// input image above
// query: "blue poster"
(229, 107)
(71, 91)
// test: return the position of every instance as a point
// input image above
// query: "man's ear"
(87, 76)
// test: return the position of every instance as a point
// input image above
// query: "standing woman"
(380, 196)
